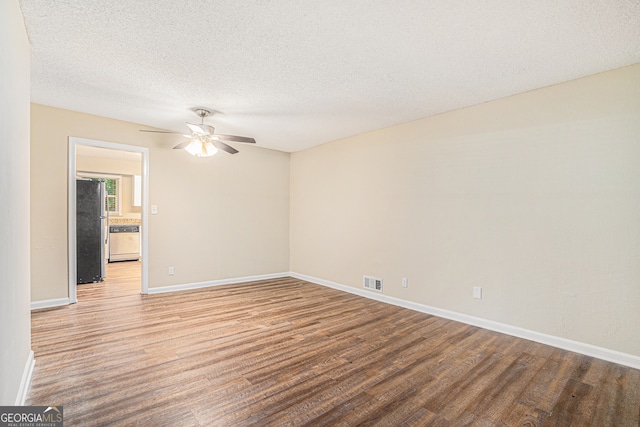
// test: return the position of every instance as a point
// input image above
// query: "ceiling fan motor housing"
(201, 112)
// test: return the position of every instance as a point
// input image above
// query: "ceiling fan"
(202, 142)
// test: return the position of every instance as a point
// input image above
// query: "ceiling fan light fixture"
(202, 142)
(200, 148)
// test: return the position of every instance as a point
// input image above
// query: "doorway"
(126, 167)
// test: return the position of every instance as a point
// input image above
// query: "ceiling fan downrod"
(202, 113)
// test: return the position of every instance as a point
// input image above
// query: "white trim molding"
(71, 219)
(231, 281)
(25, 383)
(48, 303)
(563, 343)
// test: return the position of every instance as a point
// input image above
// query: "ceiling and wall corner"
(535, 198)
(16, 357)
(297, 74)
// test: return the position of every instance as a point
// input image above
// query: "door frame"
(71, 242)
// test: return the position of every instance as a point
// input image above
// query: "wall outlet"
(477, 292)
(171, 271)
(405, 282)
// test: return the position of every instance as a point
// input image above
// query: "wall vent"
(373, 283)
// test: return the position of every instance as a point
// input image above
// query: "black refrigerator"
(90, 230)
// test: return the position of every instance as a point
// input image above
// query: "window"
(112, 193)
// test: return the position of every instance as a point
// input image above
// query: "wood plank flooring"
(287, 352)
(122, 278)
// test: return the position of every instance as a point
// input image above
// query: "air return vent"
(373, 283)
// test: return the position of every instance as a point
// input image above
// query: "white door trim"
(73, 143)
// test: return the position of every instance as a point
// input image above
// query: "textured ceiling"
(294, 74)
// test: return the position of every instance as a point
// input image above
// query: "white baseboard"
(173, 288)
(563, 343)
(50, 303)
(26, 380)
(231, 281)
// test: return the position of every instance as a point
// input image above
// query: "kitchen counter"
(124, 221)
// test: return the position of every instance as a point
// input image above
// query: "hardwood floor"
(122, 278)
(287, 352)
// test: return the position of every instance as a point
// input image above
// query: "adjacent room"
(321, 213)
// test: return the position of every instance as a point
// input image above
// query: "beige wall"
(15, 319)
(535, 198)
(108, 165)
(222, 217)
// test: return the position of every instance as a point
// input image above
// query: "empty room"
(320, 213)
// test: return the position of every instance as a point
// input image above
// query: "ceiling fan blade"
(196, 128)
(158, 131)
(224, 147)
(182, 144)
(234, 138)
